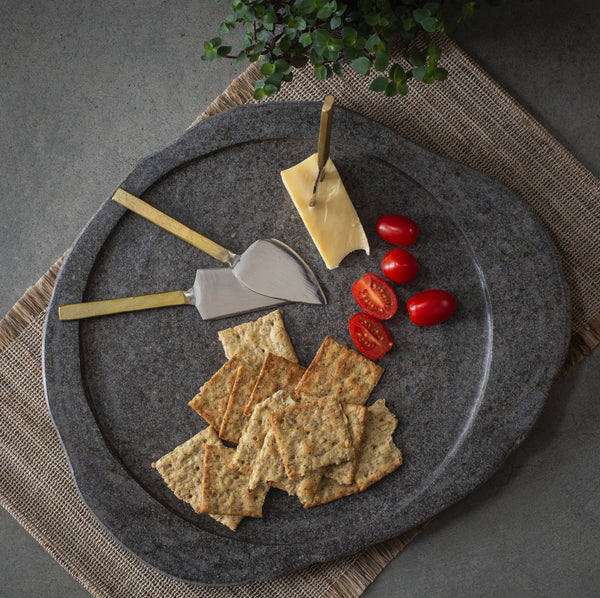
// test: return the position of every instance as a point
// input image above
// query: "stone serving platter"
(466, 392)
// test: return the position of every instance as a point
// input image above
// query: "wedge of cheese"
(332, 222)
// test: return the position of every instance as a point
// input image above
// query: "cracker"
(269, 469)
(378, 455)
(344, 472)
(211, 401)
(277, 373)
(254, 433)
(182, 468)
(253, 340)
(234, 419)
(225, 491)
(311, 436)
(340, 371)
(329, 490)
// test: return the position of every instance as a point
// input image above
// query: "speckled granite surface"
(466, 392)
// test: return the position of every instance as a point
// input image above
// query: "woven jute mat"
(468, 118)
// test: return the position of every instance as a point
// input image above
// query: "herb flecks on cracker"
(378, 456)
(311, 436)
(339, 371)
(225, 491)
(277, 373)
(234, 420)
(252, 341)
(211, 401)
(182, 471)
(254, 433)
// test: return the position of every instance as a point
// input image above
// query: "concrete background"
(90, 88)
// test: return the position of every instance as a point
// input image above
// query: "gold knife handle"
(145, 210)
(325, 131)
(78, 311)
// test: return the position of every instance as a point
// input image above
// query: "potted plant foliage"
(281, 35)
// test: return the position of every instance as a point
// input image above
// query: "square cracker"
(311, 436)
(268, 469)
(225, 491)
(338, 370)
(234, 419)
(182, 468)
(344, 472)
(277, 373)
(378, 457)
(211, 402)
(254, 433)
(253, 340)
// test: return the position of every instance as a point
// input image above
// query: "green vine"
(282, 35)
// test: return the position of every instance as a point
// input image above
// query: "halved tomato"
(369, 335)
(375, 296)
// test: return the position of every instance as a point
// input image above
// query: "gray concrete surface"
(88, 89)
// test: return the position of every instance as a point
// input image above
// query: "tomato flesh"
(369, 335)
(400, 265)
(375, 296)
(397, 230)
(431, 307)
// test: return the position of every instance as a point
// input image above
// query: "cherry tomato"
(369, 335)
(397, 230)
(375, 296)
(400, 265)
(431, 307)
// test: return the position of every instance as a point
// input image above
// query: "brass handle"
(145, 210)
(323, 151)
(78, 311)
(325, 131)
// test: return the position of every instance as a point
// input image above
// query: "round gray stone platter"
(466, 392)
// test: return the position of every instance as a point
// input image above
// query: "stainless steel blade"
(217, 293)
(271, 268)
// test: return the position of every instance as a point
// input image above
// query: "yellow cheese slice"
(332, 222)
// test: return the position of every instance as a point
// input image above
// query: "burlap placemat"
(468, 118)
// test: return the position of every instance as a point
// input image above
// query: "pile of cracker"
(303, 430)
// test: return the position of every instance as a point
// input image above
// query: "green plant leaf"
(337, 69)
(335, 22)
(372, 43)
(416, 57)
(209, 55)
(419, 72)
(267, 69)
(315, 57)
(397, 73)
(320, 37)
(349, 35)
(306, 7)
(306, 39)
(320, 72)
(352, 53)
(269, 19)
(282, 67)
(434, 52)
(361, 65)
(429, 24)
(391, 89)
(440, 74)
(379, 84)
(259, 94)
(381, 61)
(402, 87)
(224, 50)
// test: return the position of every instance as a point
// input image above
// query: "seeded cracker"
(378, 457)
(181, 469)
(253, 340)
(269, 468)
(225, 491)
(338, 370)
(234, 419)
(344, 472)
(277, 373)
(254, 433)
(211, 401)
(311, 436)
